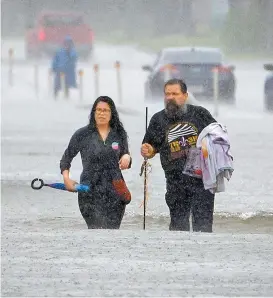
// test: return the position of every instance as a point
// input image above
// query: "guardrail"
(12, 63)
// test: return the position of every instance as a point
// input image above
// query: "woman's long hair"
(115, 123)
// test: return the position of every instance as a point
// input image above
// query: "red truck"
(50, 30)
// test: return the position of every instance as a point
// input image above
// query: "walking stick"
(144, 169)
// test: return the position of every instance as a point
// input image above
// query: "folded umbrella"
(58, 185)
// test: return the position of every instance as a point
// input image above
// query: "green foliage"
(244, 30)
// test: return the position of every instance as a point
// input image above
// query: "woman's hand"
(70, 184)
(124, 162)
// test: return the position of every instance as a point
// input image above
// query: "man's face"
(174, 99)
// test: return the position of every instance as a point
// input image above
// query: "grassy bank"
(157, 43)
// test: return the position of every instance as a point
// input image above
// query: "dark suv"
(195, 66)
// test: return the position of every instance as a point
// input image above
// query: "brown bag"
(122, 190)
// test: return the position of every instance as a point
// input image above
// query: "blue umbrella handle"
(39, 186)
(82, 188)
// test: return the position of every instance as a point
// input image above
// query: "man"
(64, 67)
(171, 133)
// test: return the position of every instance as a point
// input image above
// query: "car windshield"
(57, 21)
(192, 57)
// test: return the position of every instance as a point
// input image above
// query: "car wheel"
(229, 93)
(153, 93)
(268, 105)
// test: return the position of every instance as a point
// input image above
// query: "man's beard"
(173, 110)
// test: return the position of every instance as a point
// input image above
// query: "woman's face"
(102, 113)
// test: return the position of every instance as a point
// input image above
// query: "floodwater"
(46, 247)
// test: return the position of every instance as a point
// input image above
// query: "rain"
(47, 249)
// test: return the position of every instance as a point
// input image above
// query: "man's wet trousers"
(186, 195)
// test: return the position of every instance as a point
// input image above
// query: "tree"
(249, 26)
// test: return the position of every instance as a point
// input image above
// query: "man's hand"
(147, 150)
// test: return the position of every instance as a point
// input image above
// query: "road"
(46, 248)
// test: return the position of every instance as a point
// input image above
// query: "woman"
(103, 145)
